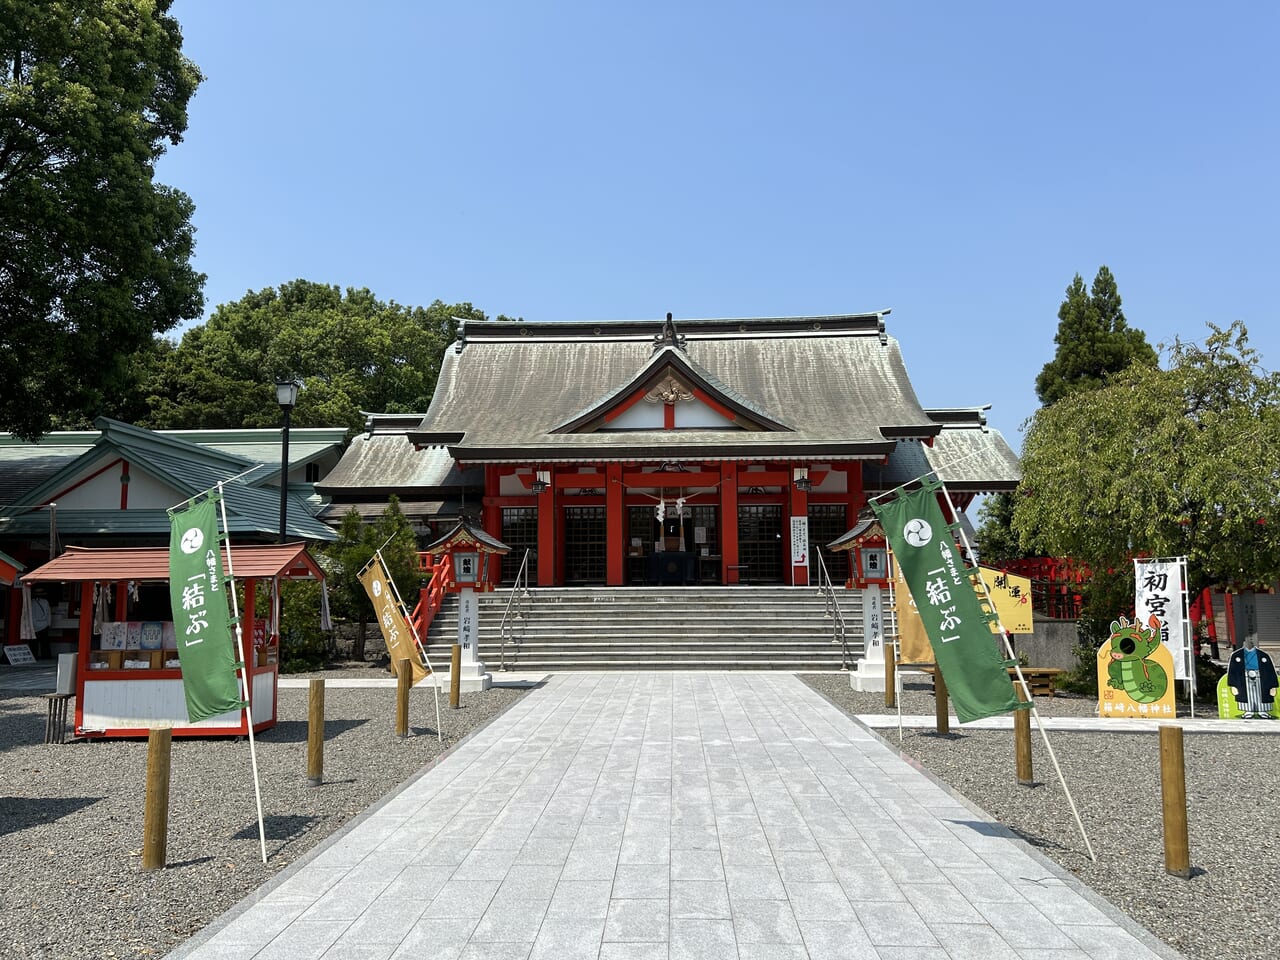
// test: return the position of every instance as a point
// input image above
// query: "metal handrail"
(519, 592)
(840, 631)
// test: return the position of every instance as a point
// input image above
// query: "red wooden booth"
(127, 675)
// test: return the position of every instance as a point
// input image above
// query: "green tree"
(94, 254)
(354, 352)
(997, 543)
(1094, 340)
(1163, 462)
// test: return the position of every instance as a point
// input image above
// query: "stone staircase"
(658, 628)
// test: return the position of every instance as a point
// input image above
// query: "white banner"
(800, 541)
(1159, 591)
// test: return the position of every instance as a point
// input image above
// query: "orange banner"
(391, 618)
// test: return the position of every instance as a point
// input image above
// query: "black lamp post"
(286, 396)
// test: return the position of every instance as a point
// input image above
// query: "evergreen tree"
(1094, 340)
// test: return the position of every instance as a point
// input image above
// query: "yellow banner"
(395, 631)
(913, 642)
(1012, 597)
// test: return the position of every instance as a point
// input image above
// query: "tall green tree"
(1094, 340)
(94, 254)
(353, 351)
(1163, 462)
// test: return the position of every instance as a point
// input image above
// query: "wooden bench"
(1039, 679)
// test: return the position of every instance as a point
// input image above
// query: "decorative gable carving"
(669, 390)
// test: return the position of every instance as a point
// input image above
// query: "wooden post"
(315, 732)
(155, 817)
(1022, 740)
(404, 680)
(455, 676)
(942, 715)
(890, 677)
(1173, 796)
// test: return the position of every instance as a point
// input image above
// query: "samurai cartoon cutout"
(1251, 677)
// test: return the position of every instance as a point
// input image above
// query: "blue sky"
(957, 163)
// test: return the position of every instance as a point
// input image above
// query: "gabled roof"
(187, 467)
(507, 391)
(382, 460)
(749, 415)
(967, 455)
(263, 446)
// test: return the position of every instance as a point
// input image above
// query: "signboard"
(1159, 592)
(800, 541)
(19, 653)
(465, 566)
(468, 623)
(1135, 672)
(872, 621)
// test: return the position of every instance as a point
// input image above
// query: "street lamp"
(286, 396)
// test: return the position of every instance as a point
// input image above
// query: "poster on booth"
(1135, 672)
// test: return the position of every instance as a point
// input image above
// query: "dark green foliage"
(1093, 339)
(354, 352)
(94, 255)
(303, 645)
(997, 543)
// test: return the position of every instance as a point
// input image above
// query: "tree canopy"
(1094, 340)
(1163, 462)
(354, 352)
(94, 254)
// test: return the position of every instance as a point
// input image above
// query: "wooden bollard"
(455, 676)
(404, 680)
(1173, 796)
(942, 715)
(1022, 740)
(315, 732)
(890, 678)
(155, 817)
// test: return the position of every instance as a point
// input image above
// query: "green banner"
(201, 621)
(957, 626)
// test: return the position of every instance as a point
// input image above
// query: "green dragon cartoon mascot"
(1131, 643)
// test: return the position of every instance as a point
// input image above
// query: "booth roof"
(250, 561)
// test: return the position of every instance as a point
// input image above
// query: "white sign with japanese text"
(468, 623)
(1159, 591)
(800, 541)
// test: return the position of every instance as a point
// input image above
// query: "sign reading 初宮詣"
(1158, 591)
(201, 620)
(957, 626)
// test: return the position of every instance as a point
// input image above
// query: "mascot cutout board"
(1135, 672)
(1248, 689)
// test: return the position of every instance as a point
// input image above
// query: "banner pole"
(244, 675)
(417, 642)
(1008, 647)
(1188, 638)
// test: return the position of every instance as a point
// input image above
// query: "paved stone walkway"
(633, 816)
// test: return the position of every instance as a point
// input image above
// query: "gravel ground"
(71, 816)
(1228, 908)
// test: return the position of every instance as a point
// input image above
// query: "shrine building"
(697, 451)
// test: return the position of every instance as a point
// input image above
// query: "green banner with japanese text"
(201, 620)
(957, 626)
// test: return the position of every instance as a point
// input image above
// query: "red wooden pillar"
(615, 530)
(799, 507)
(547, 534)
(728, 522)
(492, 520)
(82, 649)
